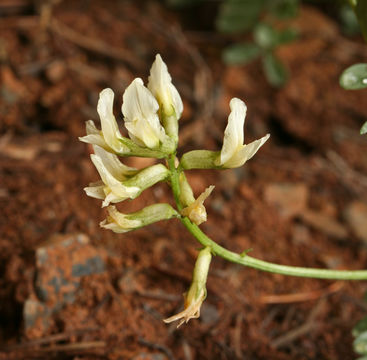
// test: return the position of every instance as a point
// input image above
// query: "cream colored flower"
(120, 223)
(160, 85)
(196, 211)
(110, 136)
(140, 110)
(234, 152)
(112, 173)
(197, 292)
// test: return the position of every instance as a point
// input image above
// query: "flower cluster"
(151, 114)
(149, 117)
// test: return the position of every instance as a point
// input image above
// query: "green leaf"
(354, 77)
(275, 71)
(269, 38)
(350, 24)
(361, 12)
(240, 53)
(364, 131)
(360, 327)
(245, 252)
(360, 344)
(284, 9)
(265, 36)
(237, 16)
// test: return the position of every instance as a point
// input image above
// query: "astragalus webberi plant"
(151, 116)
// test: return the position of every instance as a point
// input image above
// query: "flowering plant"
(151, 116)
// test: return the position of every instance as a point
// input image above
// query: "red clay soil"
(71, 290)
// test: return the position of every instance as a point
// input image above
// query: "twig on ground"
(95, 45)
(48, 339)
(302, 296)
(237, 336)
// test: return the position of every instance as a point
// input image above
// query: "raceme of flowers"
(151, 114)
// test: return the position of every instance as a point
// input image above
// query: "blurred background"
(70, 290)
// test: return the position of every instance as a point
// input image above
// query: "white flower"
(234, 152)
(196, 211)
(160, 85)
(110, 136)
(112, 173)
(140, 110)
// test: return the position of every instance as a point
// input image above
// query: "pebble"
(325, 223)
(289, 199)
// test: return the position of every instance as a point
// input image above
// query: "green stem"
(175, 181)
(249, 261)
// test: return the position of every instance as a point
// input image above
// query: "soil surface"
(71, 290)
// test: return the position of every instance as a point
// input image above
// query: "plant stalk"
(250, 261)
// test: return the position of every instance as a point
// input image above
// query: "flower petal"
(110, 130)
(95, 190)
(246, 153)
(233, 134)
(160, 85)
(140, 111)
(196, 211)
(94, 136)
(118, 222)
(117, 188)
(91, 128)
(113, 165)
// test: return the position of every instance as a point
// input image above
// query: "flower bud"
(170, 103)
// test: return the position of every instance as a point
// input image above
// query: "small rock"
(356, 216)
(325, 223)
(60, 264)
(289, 199)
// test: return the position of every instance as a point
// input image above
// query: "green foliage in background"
(256, 18)
(364, 128)
(360, 8)
(359, 332)
(244, 17)
(266, 40)
(355, 76)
